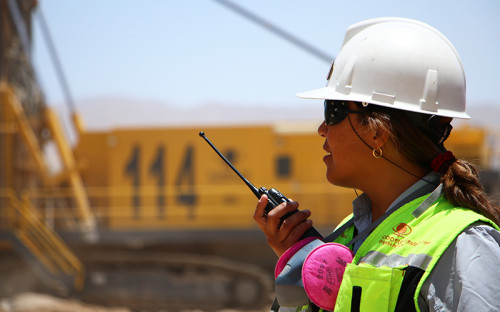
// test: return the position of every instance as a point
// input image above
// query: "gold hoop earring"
(377, 152)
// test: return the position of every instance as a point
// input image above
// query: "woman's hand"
(280, 238)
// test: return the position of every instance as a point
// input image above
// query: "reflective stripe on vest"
(378, 259)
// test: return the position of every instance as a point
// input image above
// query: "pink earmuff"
(323, 271)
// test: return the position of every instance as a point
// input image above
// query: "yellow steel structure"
(29, 227)
(40, 245)
(69, 171)
(13, 108)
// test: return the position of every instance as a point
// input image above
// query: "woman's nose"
(322, 129)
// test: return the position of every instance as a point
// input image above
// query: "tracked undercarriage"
(166, 281)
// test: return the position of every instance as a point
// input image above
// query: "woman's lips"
(327, 150)
(327, 156)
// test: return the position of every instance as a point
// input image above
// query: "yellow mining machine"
(148, 218)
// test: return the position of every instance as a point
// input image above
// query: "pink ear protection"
(322, 273)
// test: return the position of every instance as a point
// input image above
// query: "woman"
(423, 234)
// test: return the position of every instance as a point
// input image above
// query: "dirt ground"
(34, 302)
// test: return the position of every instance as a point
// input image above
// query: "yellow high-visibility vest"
(394, 261)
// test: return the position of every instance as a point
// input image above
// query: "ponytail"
(462, 187)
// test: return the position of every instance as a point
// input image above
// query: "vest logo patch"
(402, 229)
(399, 237)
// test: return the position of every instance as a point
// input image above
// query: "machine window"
(283, 166)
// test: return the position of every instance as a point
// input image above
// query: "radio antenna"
(250, 185)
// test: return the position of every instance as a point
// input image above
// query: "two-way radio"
(274, 196)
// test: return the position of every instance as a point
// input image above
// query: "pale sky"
(192, 52)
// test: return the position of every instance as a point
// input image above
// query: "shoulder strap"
(333, 236)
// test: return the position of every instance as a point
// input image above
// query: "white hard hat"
(398, 63)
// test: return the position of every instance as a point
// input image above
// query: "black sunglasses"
(336, 111)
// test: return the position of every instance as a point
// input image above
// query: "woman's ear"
(380, 137)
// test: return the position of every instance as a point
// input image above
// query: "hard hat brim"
(321, 93)
(326, 93)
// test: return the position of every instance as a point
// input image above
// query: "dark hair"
(419, 138)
